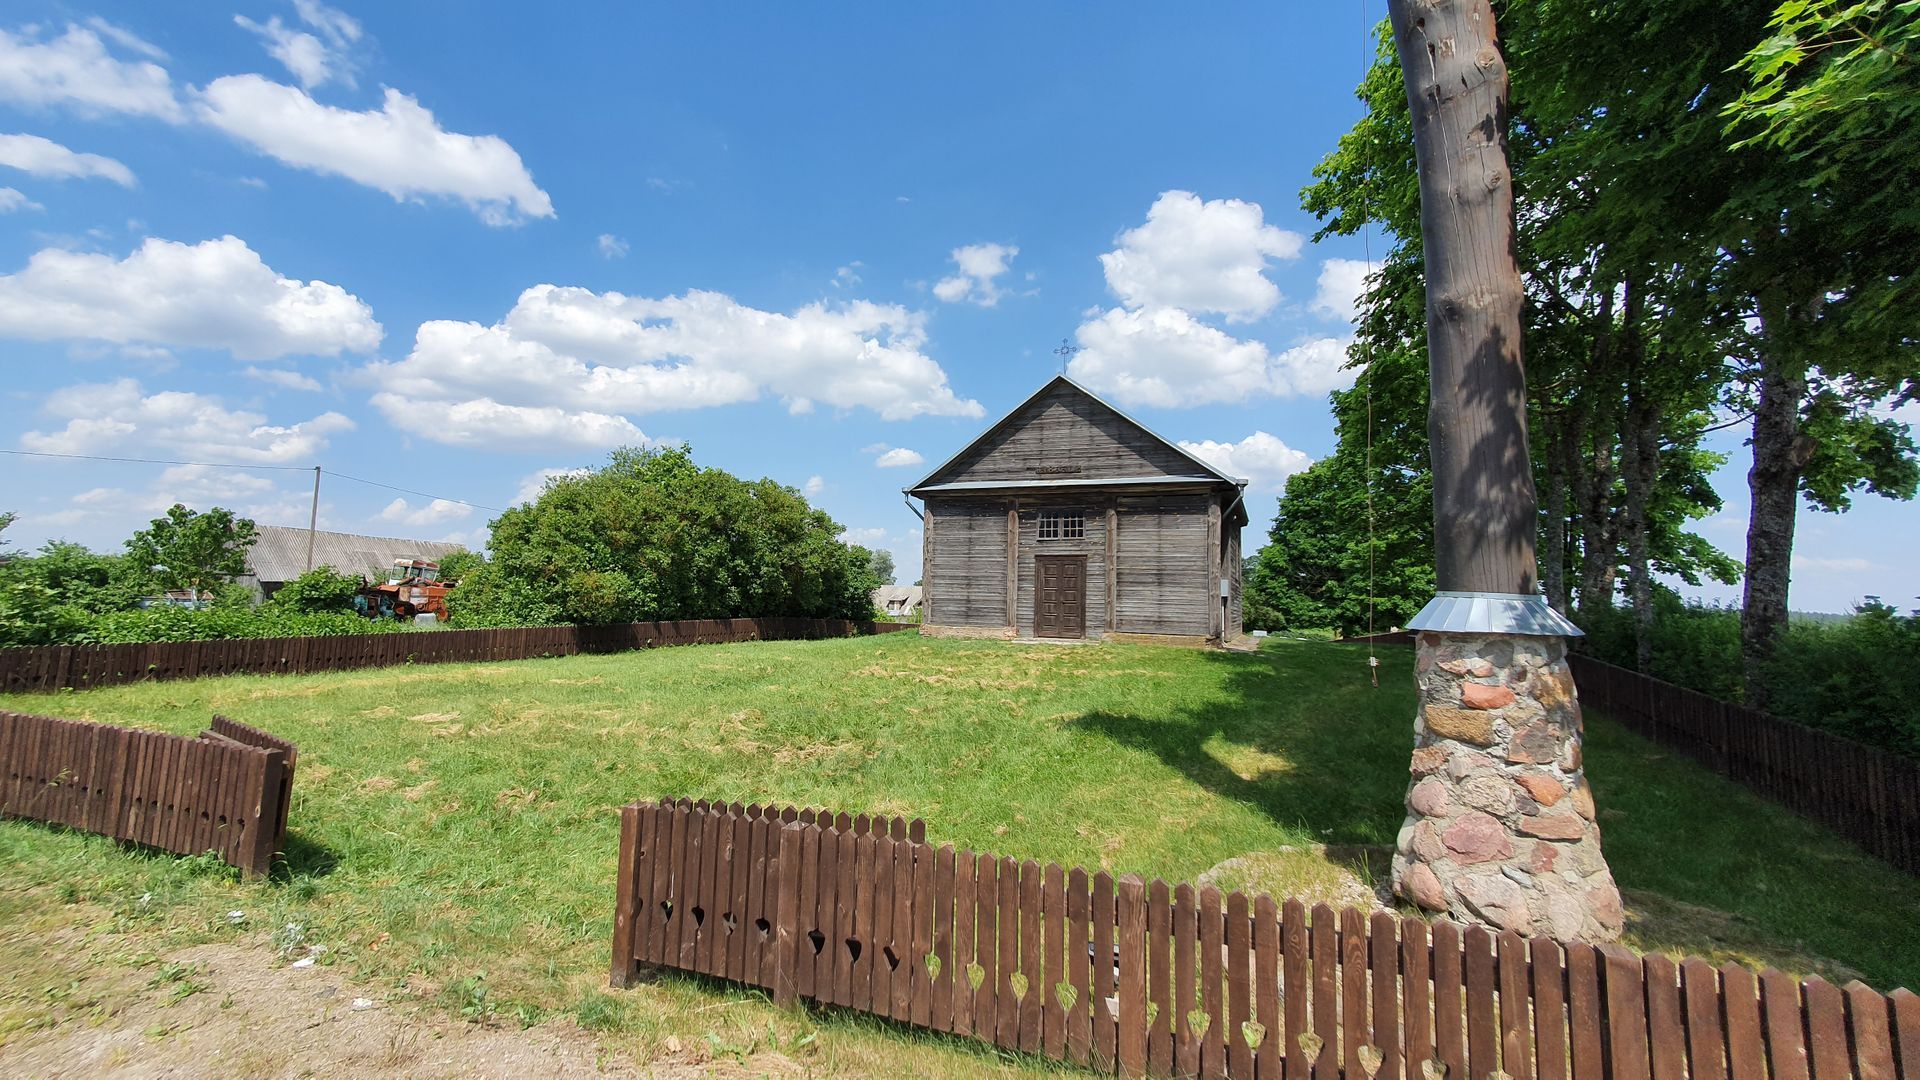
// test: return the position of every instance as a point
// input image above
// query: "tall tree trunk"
(1639, 469)
(1553, 563)
(1597, 545)
(1780, 453)
(1485, 521)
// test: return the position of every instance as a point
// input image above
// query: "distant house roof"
(907, 597)
(280, 553)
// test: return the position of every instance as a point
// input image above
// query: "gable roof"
(280, 553)
(1202, 470)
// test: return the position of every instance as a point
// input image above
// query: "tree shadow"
(1314, 747)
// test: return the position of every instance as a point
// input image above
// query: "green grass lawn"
(453, 826)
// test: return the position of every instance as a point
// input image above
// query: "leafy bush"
(651, 535)
(1858, 677)
(184, 624)
(320, 590)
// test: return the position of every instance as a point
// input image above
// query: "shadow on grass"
(1312, 745)
(303, 858)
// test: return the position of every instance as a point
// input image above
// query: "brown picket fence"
(228, 791)
(1145, 979)
(1867, 795)
(77, 667)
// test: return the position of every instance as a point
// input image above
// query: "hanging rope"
(1366, 346)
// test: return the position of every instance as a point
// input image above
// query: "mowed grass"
(454, 826)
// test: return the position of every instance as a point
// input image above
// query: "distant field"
(453, 826)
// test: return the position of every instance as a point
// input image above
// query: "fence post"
(264, 842)
(63, 665)
(621, 974)
(785, 873)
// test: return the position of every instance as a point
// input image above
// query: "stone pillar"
(1500, 822)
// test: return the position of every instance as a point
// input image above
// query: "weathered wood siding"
(966, 569)
(1065, 430)
(1094, 547)
(1236, 612)
(1165, 565)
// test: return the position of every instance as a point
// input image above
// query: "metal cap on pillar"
(1451, 612)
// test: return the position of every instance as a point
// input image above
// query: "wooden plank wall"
(1065, 427)
(1236, 609)
(227, 791)
(77, 667)
(1865, 794)
(966, 571)
(1094, 510)
(1148, 979)
(1164, 565)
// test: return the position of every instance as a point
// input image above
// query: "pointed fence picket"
(1147, 979)
(227, 791)
(78, 667)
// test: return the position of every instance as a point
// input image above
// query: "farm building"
(1069, 519)
(280, 555)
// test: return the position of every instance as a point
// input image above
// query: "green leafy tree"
(455, 566)
(652, 535)
(191, 550)
(880, 561)
(321, 589)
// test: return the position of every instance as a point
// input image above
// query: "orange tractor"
(412, 588)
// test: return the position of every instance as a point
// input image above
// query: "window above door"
(1063, 525)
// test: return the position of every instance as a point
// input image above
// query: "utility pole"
(313, 516)
(1500, 821)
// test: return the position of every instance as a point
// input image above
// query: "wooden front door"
(1060, 596)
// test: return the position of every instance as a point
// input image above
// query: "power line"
(232, 465)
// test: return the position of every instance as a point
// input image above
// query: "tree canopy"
(652, 535)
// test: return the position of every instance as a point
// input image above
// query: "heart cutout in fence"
(1433, 1069)
(1019, 983)
(1067, 995)
(1153, 1012)
(1198, 1021)
(1310, 1044)
(699, 916)
(893, 958)
(1370, 1059)
(853, 950)
(666, 909)
(932, 964)
(1253, 1032)
(976, 975)
(818, 940)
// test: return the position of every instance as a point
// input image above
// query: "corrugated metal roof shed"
(280, 553)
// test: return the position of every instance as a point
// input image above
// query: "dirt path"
(230, 1011)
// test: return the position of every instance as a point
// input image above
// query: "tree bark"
(1485, 508)
(1780, 453)
(1553, 562)
(1598, 536)
(1640, 469)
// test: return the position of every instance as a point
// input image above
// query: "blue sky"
(821, 245)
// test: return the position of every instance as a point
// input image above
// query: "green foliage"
(173, 623)
(652, 535)
(191, 550)
(880, 562)
(321, 589)
(32, 614)
(455, 566)
(1858, 676)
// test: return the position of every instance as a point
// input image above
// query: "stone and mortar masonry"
(1500, 824)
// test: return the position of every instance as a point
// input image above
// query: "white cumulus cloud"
(487, 423)
(898, 457)
(121, 415)
(1342, 281)
(533, 485)
(401, 512)
(977, 270)
(575, 351)
(399, 149)
(12, 199)
(814, 485)
(215, 294)
(1165, 357)
(317, 55)
(46, 158)
(77, 71)
(1200, 256)
(283, 378)
(611, 246)
(1261, 459)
